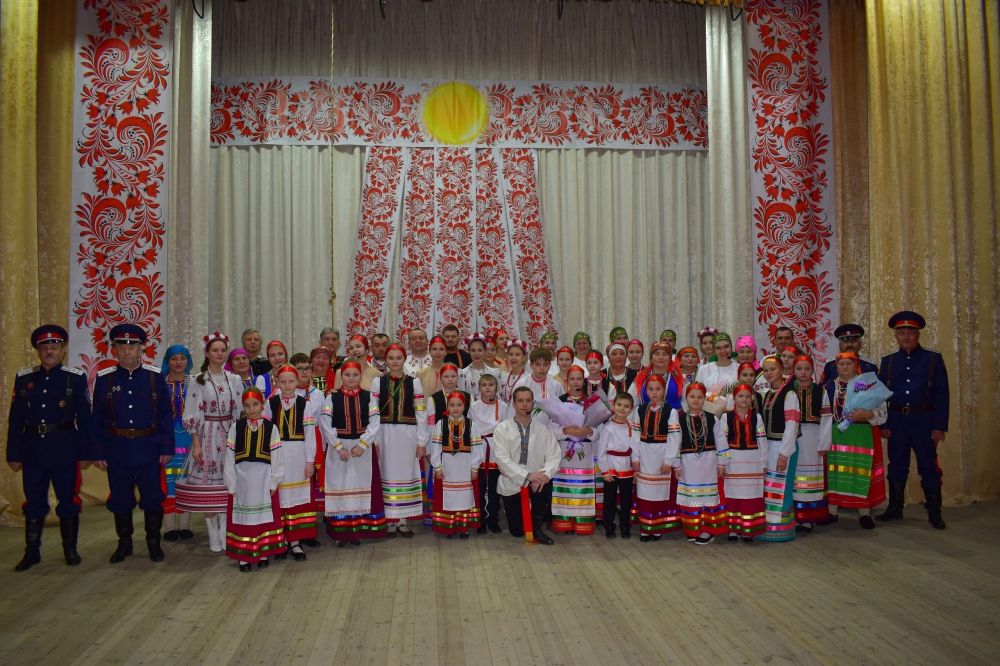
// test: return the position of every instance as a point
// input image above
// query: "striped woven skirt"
(779, 517)
(251, 543)
(174, 468)
(809, 494)
(573, 497)
(698, 500)
(401, 487)
(854, 469)
(744, 492)
(345, 519)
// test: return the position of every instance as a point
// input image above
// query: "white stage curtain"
(630, 236)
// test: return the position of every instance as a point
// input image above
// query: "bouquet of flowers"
(863, 392)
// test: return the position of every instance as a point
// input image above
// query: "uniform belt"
(911, 410)
(132, 433)
(46, 428)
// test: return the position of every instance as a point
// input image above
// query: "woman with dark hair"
(176, 367)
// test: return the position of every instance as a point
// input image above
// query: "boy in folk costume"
(253, 470)
(814, 441)
(744, 480)
(573, 494)
(486, 413)
(618, 443)
(468, 377)
(295, 418)
(304, 367)
(353, 485)
(456, 451)
(697, 446)
(402, 441)
(656, 496)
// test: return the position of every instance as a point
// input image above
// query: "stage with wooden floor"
(903, 593)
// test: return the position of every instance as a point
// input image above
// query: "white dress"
(295, 488)
(397, 454)
(698, 485)
(457, 470)
(716, 378)
(347, 483)
(745, 472)
(251, 483)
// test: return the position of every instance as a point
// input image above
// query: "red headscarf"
(854, 357)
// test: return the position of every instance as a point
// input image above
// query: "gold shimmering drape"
(934, 85)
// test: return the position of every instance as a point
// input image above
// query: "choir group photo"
(500, 331)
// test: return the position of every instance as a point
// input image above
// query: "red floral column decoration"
(417, 242)
(494, 274)
(788, 90)
(453, 294)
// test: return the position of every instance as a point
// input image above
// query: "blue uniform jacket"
(49, 417)
(125, 400)
(919, 382)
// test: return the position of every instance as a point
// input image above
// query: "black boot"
(932, 502)
(69, 528)
(154, 521)
(32, 544)
(541, 537)
(894, 511)
(123, 526)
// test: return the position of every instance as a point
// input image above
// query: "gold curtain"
(36, 126)
(934, 82)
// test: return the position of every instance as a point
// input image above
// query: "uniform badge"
(62, 404)
(116, 388)
(30, 386)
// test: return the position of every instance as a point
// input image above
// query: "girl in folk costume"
(745, 374)
(618, 376)
(659, 364)
(787, 358)
(719, 375)
(618, 449)
(573, 494)
(855, 475)
(295, 418)
(357, 350)
(491, 353)
(500, 340)
(699, 453)
(176, 368)
(635, 351)
(656, 497)
(277, 356)
(814, 440)
(402, 441)
(437, 411)
(238, 363)
(468, 377)
(210, 408)
(517, 354)
(353, 485)
(780, 411)
(430, 377)
(744, 480)
(486, 413)
(564, 361)
(253, 470)
(595, 373)
(456, 452)
(314, 396)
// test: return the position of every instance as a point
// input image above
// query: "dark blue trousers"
(913, 433)
(65, 479)
(123, 479)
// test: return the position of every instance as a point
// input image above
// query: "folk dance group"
(706, 440)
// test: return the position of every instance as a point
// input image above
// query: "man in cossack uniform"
(849, 339)
(133, 436)
(918, 416)
(48, 434)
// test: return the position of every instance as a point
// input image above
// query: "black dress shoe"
(463, 535)
(185, 534)
(245, 567)
(495, 529)
(866, 523)
(312, 543)
(263, 564)
(733, 538)
(609, 532)
(341, 544)
(704, 540)
(543, 538)
(643, 538)
(172, 535)
(481, 529)
(626, 532)
(297, 554)
(405, 532)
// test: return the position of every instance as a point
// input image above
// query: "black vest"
(621, 385)
(653, 425)
(448, 442)
(399, 408)
(349, 413)
(253, 446)
(737, 437)
(687, 441)
(810, 402)
(297, 413)
(441, 405)
(774, 415)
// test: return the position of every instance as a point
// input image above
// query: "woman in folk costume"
(430, 377)
(719, 375)
(486, 413)
(352, 484)
(780, 411)
(582, 345)
(437, 410)
(500, 340)
(685, 372)
(357, 350)
(814, 441)
(210, 408)
(564, 361)
(456, 451)
(635, 352)
(253, 470)
(491, 354)
(746, 351)
(855, 475)
(670, 337)
(517, 354)
(277, 356)
(402, 441)
(468, 377)
(324, 377)
(176, 368)
(659, 365)
(238, 363)
(618, 335)
(656, 497)
(618, 377)
(744, 480)
(573, 494)
(699, 453)
(295, 418)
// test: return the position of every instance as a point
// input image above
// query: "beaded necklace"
(839, 400)
(178, 393)
(698, 430)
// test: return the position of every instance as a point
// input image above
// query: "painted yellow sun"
(455, 113)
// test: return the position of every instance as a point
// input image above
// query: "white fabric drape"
(629, 235)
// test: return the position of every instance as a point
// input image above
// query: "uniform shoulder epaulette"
(73, 370)
(27, 371)
(151, 368)
(932, 351)
(107, 371)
